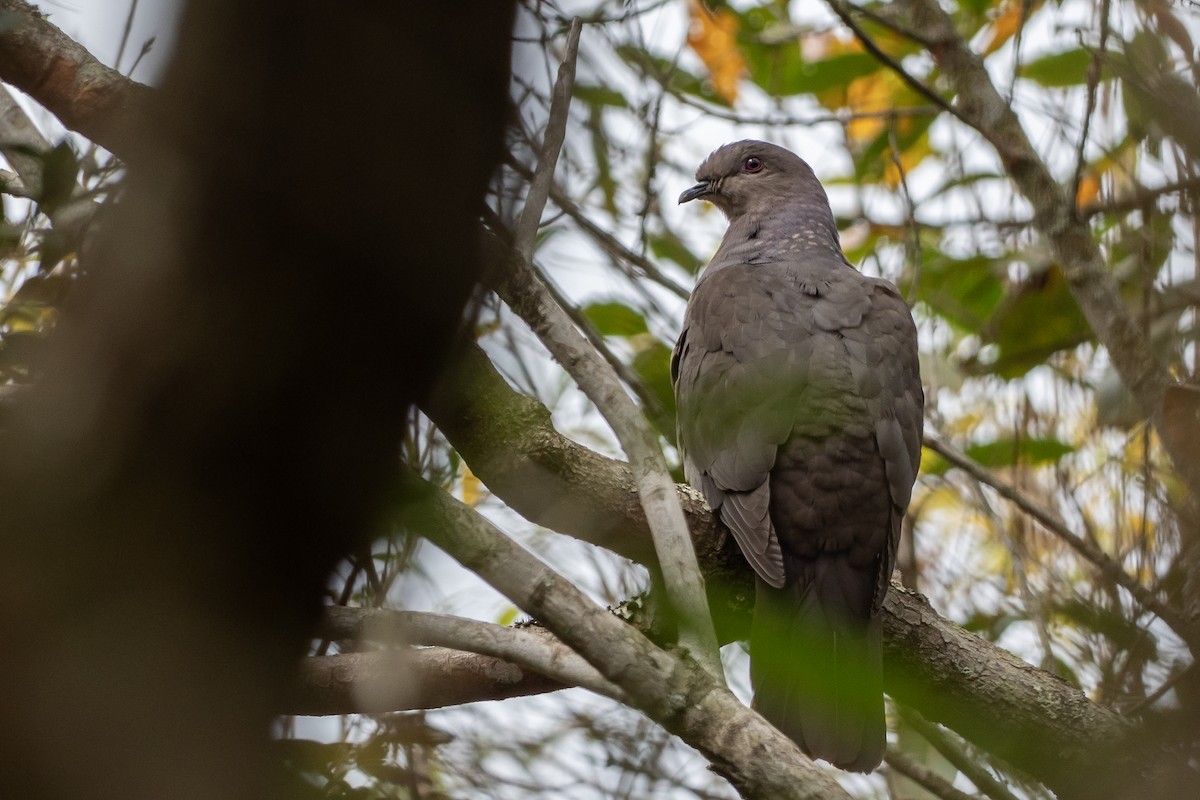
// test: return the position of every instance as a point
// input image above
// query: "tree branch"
(86, 96)
(434, 677)
(527, 295)
(967, 764)
(533, 648)
(907, 766)
(1024, 715)
(673, 690)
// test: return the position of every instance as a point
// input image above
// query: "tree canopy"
(261, 301)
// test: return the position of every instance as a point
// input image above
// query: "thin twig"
(1107, 566)
(963, 762)
(630, 378)
(913, 242)
(910, 768)
(843, 11)
(1093, 83)
(607, 241)
(133, 4)
(556, 132)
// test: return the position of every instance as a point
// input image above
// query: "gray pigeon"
(800, 414)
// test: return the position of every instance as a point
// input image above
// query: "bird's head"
(753, 177)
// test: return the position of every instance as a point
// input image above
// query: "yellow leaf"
(908, 159)
(714, 38)
(869, 94)
(472, 488)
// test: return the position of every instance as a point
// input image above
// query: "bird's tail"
(817, 669)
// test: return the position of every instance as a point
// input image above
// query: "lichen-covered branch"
(86, 96)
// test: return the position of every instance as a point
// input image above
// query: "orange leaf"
(1089, 189)
(1012, 15)
(714, 38)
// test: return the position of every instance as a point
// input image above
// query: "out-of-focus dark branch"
(87, 96)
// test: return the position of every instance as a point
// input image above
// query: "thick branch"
(49, 66)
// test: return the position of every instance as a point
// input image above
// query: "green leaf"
(615, 319)
(965, 292)
(604, 177)
(669, 246)
(1007, 451)
(1037, 320)
(600, 96)
(812, 77)
(1056, 70)
(60, 174)
(652, 363)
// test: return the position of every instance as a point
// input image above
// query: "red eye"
(752, 164)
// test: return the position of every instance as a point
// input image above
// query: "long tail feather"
(817, 668)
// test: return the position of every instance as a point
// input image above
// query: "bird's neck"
(793, 227)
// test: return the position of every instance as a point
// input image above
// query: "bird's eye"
(752, 164)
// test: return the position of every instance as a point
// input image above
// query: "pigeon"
(800, 412)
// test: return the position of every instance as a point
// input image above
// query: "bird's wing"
(741, 377)
(882, 354)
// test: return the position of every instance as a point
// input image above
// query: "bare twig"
(964, 763)
(607, 241)
(1047, 519)
(556, 131)
(910, 768)
(1093, 83)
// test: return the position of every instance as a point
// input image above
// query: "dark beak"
(699, 190)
